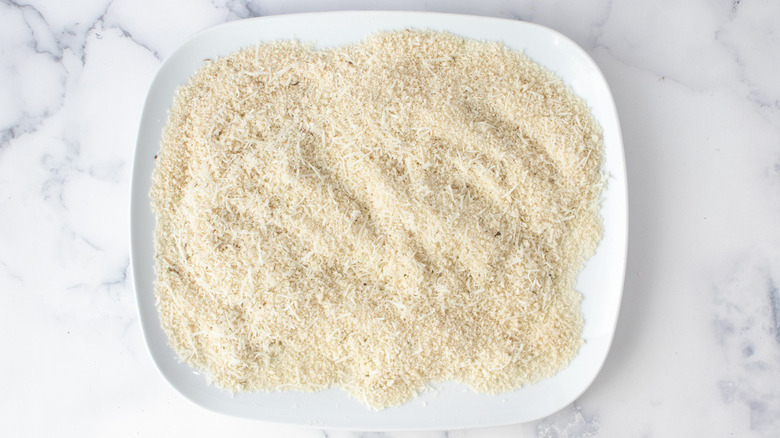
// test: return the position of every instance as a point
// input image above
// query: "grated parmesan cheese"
(410, 209)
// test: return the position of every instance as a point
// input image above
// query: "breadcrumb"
(409, 209)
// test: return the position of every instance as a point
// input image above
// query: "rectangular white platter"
(450, 405)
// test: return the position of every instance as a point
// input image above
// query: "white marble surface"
(697, 348)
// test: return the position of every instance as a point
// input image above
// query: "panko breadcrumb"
(409, 209)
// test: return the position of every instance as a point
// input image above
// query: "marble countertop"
(697, 347)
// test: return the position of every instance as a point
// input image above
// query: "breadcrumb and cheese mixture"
(410, 209)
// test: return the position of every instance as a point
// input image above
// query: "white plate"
(451, 406)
